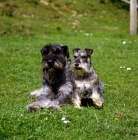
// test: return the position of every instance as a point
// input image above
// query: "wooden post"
(133, 17)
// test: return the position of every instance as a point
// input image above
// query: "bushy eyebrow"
(83, 54)
(54, 50)
(58, 50)
(76, 54)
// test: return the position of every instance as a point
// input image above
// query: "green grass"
(31, 17)
(104, 28)
(20, 74)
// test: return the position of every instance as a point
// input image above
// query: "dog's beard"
(50, 71)
(50, 75)
(81, 71)
(58, 65)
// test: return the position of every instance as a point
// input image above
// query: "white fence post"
(133, 17)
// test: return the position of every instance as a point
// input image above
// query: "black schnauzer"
(57, 79)
(87, 85)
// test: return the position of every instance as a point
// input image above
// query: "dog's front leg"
(44, 101)
(76, 100)
(97, 97)
(40, 103)
(36, 93)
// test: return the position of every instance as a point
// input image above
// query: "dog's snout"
(76, 64)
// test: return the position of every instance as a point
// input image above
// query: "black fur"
(50, 54)
(57, 78)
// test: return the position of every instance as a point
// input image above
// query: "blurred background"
(45, 17)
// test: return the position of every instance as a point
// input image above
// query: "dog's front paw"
(35, 93)
(33, 107)
(78, 107)
(98, 103)
(54, 105)
(98, 100)
(77, 102)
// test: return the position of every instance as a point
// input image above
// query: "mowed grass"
(25, 27)
(20, 74)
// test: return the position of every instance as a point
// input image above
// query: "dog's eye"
(75, 56)
(57, 52)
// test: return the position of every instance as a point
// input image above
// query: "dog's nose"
(50, 61)
(76, 64)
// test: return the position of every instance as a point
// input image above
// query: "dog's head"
(82, 63)
(54, 60)
(54, 56)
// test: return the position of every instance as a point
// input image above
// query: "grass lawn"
(20, 74)
(103, 27)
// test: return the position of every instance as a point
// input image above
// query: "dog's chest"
(84, 88)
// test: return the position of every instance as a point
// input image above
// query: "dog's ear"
(44, 50)
(89, 51)
(65, 50)
(76, 49)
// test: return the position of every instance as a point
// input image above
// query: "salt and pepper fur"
(66, 82)
(87, 84)
(57, 79)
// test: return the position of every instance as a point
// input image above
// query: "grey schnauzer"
(57, 79)
(87, 85)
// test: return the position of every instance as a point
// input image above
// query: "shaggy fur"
(57, 79)
(87, 85)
